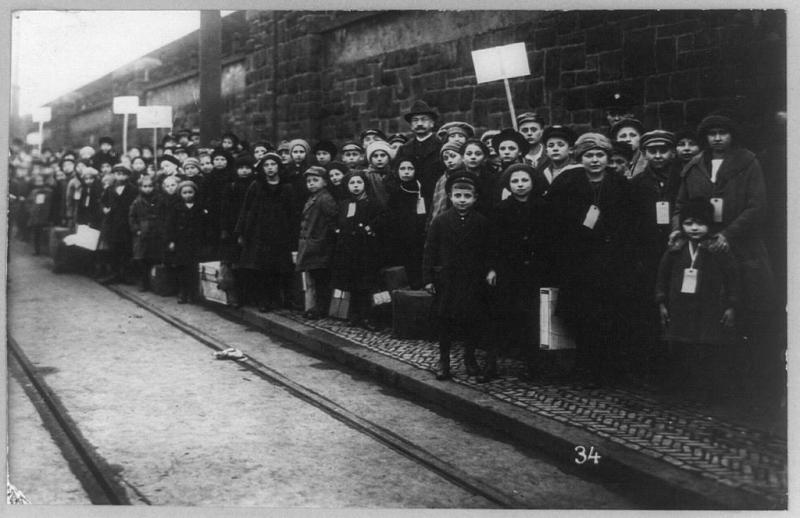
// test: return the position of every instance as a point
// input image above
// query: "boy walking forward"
(455, 269)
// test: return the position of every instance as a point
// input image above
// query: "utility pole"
(210, 76)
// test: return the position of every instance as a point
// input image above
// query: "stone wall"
(332, 74)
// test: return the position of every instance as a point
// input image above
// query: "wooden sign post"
(126, 105)
(502, 62)
(154, 117)
(42, 115)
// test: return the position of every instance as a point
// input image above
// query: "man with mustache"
(423, 149)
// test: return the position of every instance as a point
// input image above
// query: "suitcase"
(210, 275)
(552, 334)
(393, 278)
(163, 281)
(340, 305)
(71, 259)
(411, 314)
(56, 237)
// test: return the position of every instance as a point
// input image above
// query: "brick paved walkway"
(735, 450)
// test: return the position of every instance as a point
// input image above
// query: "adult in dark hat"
(731, 176)
(370, 135)
(617, 106)
(423, 148)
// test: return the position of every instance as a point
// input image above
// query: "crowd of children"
(649, 235)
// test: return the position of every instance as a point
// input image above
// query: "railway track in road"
(97, 478)
(401, 445)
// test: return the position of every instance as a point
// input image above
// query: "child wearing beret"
(356, 258)
(317, 238)
(455, 268)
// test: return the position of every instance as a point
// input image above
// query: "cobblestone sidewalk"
(685, 434)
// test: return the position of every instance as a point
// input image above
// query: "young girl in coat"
(404, 228)
(116, 202)
(356, 257)
(233, 196)
(696, 292)
(317, 239)
(264, 235)
(185, 234)
(147, 229)
(379, 171)
(336, 174)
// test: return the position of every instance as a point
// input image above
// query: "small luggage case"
(393, 278)
(56, 237)
(340, 304)
(163, 281)
(552, 334)
(210, 274)
(411, 314)
(71, 259)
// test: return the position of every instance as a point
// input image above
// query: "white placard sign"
(502, 62)
(154, 117)
(43, 114)
(33, 139)
(126, 104)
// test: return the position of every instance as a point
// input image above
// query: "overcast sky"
(58, 51)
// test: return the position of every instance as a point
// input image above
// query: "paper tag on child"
(505, 194)
(351, 209)
(39, 198)
(717, 203)
(662, 213)
(689, 280)
(76, 195)
(591, 216)
(420, 205)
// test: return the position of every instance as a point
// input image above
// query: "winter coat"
(115, 225)
(88, 209)
(293, 175)
(425, 157)
(455, 260)
(356, 257)
(186, 228)
(264, 225)
(58, 209)
(72, 197)
(594, 266)
(520, 231)
(317, 238)
(740, 184)
(211, 198)
(404, 231)
(147, 228)
(695, 317)
(39, 206)
(233, 195)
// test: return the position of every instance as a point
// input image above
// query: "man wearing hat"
(618, 106)
(116, 203)
(423, 148)
(653, 194)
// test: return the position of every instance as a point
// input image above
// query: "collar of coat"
(735, 162)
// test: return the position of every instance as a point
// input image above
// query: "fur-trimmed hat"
(460, 176)
(421, 108)
(699, 209)
(514, 136)
(378, 145)
(589, 141)
(505, 178)
(557, 131)
(325, 145)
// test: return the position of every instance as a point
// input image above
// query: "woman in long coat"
(592, 220)
(264, 231)
(728, 172)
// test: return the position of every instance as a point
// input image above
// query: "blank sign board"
(42, 114)
(154, 117)
(126, 104)
(502, 62)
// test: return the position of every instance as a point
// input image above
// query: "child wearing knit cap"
(146, 225)
(185, 233)
(379, 171)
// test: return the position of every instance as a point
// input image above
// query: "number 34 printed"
(582, 456)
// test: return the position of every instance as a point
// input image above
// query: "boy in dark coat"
(147, 229)
(39, 206)
(455, 268)
(213, 185)
(696, 293)
(233, 196)
(116, 202)
(264, 233)
(316, 242)
(184, 235)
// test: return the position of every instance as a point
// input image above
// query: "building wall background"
(331, 74)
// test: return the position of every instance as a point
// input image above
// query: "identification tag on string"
(76, 195)
(662, 212)
(717, 203)
(39, 199)
(505, 194)
(351, 209)
(591, 217)
(421, 205)
(689, 284)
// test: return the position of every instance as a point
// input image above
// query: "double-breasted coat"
(356, 258)
(740, 184)
(186, 227)
(456, 262)
(116, 229)
(317, 238)
(147, 227)
(265, 227)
